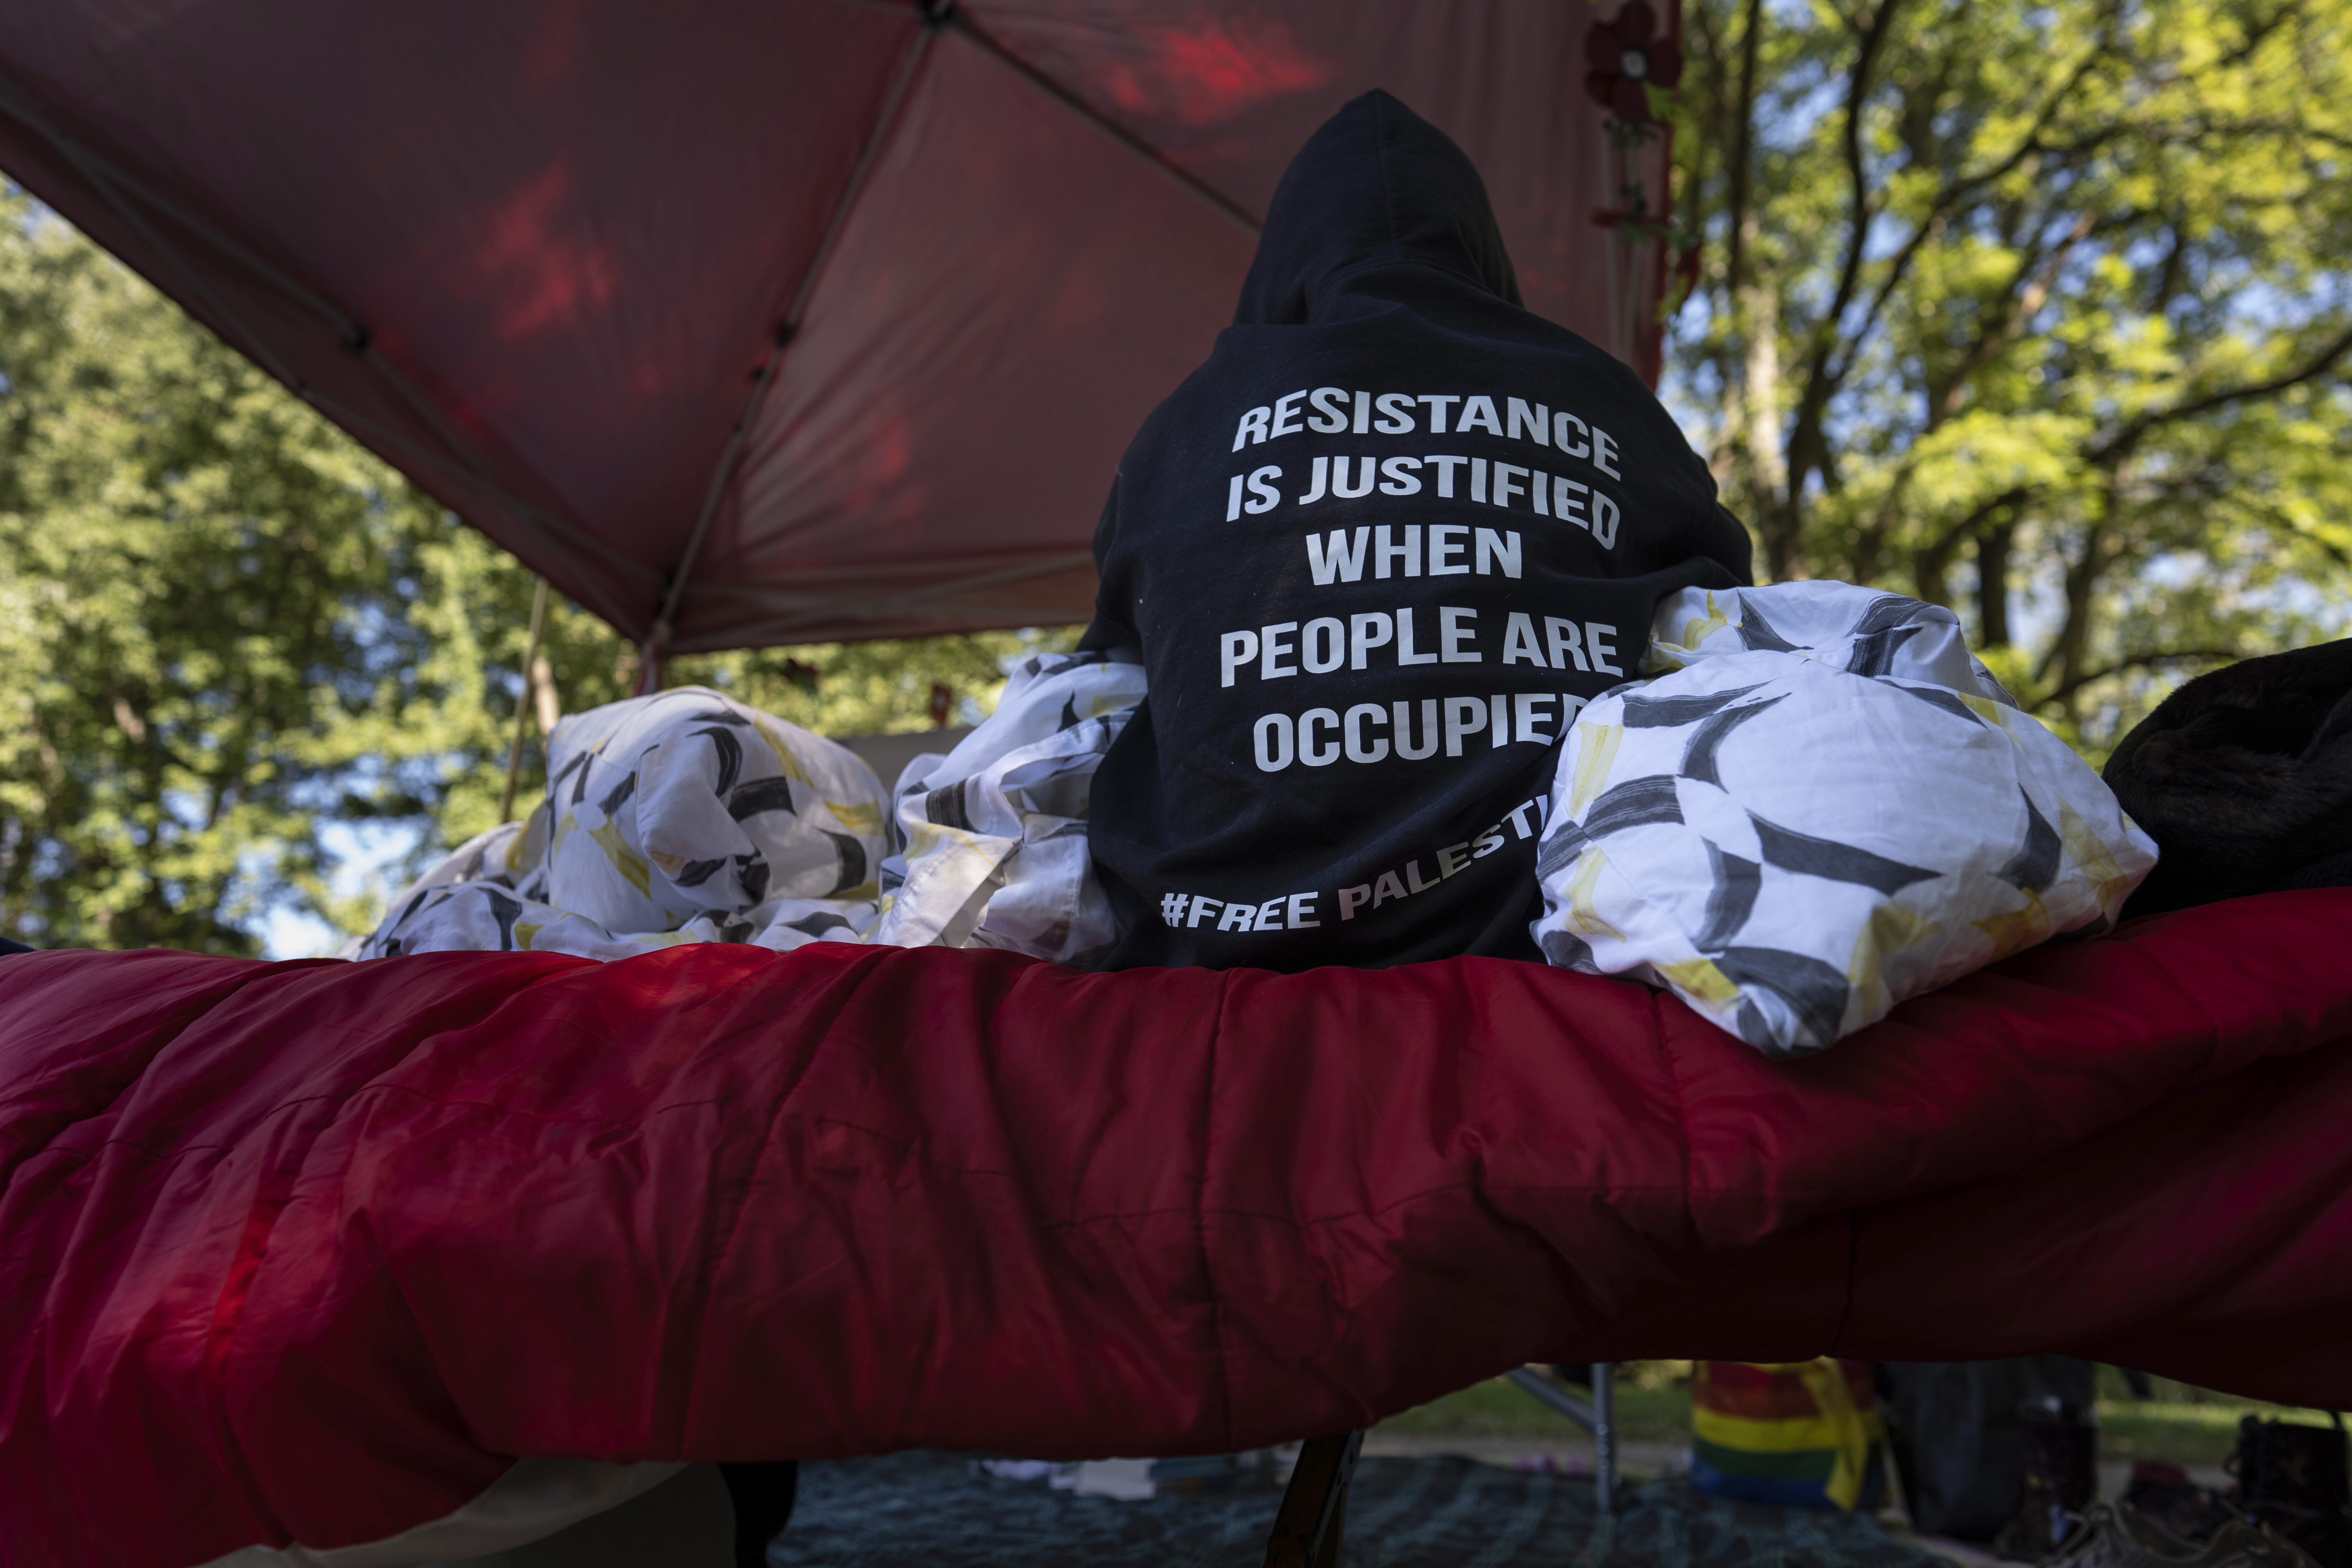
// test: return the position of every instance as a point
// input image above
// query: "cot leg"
(1308, 1526)
(1327, 1554)
(763, 1495)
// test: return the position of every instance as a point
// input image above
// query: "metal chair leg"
(1312, 1519)
(1604, 1436)
(1598, 1417)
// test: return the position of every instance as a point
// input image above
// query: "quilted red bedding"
(311, 1251)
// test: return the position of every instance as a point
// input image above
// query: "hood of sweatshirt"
(1377, 192)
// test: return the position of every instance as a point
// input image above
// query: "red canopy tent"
(749, 323)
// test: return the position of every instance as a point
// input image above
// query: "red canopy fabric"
(932, 263)
(315, 1251)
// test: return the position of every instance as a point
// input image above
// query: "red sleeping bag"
(312, 1251)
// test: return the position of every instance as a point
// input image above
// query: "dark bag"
(2061, 1479)
(2295, 1478)
(1959, 1439)
(2244, 777)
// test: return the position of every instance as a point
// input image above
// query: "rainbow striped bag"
(1802, 1434)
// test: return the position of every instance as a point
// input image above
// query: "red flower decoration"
(1685, 277)
(1625, 58)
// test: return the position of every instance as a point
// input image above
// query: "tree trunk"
(1779, 519)
(2069, 656)
(1992, 584)
(1930, 573)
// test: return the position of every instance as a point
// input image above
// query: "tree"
(2041, 311)
(228, 632)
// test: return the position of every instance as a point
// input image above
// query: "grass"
(1497, 1409)
(2181, 1424)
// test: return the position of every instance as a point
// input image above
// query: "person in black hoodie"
(1374, 555)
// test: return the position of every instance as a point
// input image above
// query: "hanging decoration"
(1634, 69)
(1627, 60)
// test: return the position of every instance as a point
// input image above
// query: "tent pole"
(653, 660)
(524, 703)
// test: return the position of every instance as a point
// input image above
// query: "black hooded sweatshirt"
(1375, 554)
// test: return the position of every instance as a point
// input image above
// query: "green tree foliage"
(2042, 312)
(226, 631)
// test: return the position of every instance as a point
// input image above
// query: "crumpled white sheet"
(683, 817)
(1821, 806)
(688, 817)
(994, 833)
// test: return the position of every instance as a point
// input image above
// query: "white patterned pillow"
(1823, 807)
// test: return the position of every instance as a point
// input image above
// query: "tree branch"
(2017, 306)
(1951, 537)
(1742, 156)
(2137, 661)
(2124, 441)
(1806, 451)
(1873, 38)
(1899, 265)
(2256, 32)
